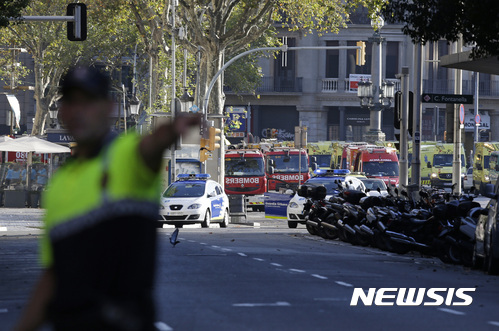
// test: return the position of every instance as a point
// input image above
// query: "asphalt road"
(274, 278)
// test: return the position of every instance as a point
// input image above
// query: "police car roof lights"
(334, 172)
(193, 176)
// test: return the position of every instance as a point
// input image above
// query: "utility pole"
(172, 106)
(475, 106)
(456, 164)
(404, 123)
(416, 139)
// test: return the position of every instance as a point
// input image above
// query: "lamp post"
(53, 111)
(133, 109)
(376, 95)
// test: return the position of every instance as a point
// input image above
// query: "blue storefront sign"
(236, 123)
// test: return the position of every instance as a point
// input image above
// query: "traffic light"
(397, 141)
(360, 58)
(77, 29)
(397, 110)
(204, 153)
(213, 140)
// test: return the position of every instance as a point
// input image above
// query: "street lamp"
(376, 95)
(53, 112)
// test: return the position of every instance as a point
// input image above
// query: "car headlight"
(293, 205)
(434, 175)
(194, 206)
(161, 207)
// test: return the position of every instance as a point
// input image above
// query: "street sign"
(461, 113)
(194, 108)
(447, 98)
(477, 119)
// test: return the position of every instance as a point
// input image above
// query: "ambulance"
(481, 163)
(320, 152)
(439, 159)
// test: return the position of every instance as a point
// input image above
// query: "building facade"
(316, 88)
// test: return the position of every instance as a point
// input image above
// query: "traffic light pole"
(404, 124)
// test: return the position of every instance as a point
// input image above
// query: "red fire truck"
(245, 174)
(350, 152)
(286, 167)
(378, 162)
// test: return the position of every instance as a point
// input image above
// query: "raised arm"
(152, 146)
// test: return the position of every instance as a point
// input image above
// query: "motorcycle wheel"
(311, 230)
(381, 241)
(399, 248)
(476, 261)
(342, 235)
(329, 233)
(454, 254)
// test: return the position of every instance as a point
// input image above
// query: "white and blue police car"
(194, 198)
(330, 179)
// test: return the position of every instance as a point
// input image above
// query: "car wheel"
(225, 221)
(207, 219)
(292, 224)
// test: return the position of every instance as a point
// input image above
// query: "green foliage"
(9, 9)
(432, 20)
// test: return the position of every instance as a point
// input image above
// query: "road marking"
(494, 323)
(191, 241)
(203, 243)
(241, 254)
(319, 276)
(276, 264)
(258, 259)
(297, 270)
(276, 304)
(213, 246)
(162, 326)
(227, 249)
(4, 310)
(3, 228)
(451, 311)
(343, 283)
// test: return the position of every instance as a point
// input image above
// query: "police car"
(194, 198)
(328, 178)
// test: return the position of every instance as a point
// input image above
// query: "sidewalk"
(16, 221)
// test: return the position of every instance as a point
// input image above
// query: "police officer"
(98, 250)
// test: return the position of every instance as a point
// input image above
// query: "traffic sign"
(447, 98)
(477, 119)
(461, 113)
(194, 108)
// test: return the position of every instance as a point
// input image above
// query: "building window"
(332, 60)
(355, 69)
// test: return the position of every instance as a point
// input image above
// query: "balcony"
(270, 84)
(333, 85)
(444, 86)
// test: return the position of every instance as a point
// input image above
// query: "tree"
(9, 9)
(53, 54)
(224, 28)
(431, 20)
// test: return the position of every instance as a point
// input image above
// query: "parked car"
(486, 250)
(468, 180)
(194, 198)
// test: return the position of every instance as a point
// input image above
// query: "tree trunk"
(40, 100)
(211, 63)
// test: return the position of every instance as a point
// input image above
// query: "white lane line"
(162, 326)
(451, 311)
(343, 283)
(297, 270)
(276, 264)
(276, 304)
(241, 254)
(191, 241)
(319, 276)
(494, 323)
(181, 238)
(213, 246)
(4, 310)
(258, 259)
(227, 249)
(203, 243)
(3, 228)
